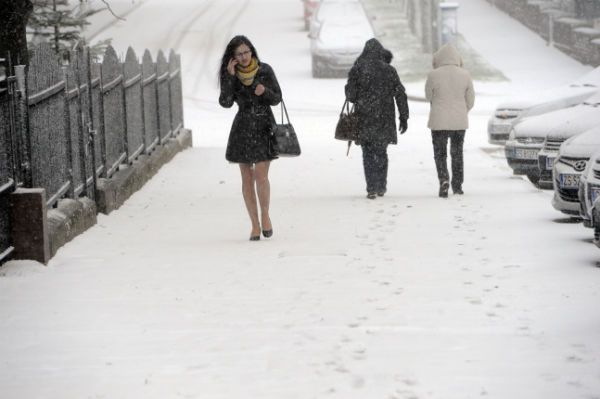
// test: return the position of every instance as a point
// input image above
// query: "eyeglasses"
(242, 54)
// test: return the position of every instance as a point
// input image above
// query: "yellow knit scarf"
(246, 75)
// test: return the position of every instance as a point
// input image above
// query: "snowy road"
(487, 295)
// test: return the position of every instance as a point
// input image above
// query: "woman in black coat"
(372, 86)
(253, 86)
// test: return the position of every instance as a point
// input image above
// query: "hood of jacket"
(373, 51)
(447, 55)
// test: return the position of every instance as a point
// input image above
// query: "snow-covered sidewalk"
(490, 294)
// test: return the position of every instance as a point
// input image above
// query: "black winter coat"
(372, 86)
(249, 136)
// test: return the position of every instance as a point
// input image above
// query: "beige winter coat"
(449, 90)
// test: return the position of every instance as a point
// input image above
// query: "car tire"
(317, 71)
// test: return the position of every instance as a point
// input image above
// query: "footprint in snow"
(358, 382)
(574, 359)
(474, 301)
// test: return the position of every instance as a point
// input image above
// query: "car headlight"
(507, 113)
(530, 140)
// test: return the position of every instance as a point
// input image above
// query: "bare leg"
(263, 188)
(249, 194)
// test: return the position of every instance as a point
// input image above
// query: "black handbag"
(284, 141)
(347, 126)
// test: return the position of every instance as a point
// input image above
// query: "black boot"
(444, 189)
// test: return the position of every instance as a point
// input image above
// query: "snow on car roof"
(340, 10)
(344, 35)
(582, 145)
(560, 123)
(587, 83)
(588, 137)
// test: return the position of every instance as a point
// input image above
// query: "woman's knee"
(261, 178)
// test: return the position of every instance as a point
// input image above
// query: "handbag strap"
(284, 109)
(347, 107)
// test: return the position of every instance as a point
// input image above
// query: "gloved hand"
(403, 126)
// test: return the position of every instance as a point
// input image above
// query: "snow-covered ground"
(491, 294)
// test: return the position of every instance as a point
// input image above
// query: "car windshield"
(343, 34)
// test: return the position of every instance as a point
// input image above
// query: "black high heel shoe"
(255, 238)
(268, 233)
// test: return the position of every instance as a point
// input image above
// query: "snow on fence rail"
(63, 127)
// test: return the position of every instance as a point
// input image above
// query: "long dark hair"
(229, 53)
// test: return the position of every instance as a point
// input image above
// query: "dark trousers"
(375, 163)
(440, 153)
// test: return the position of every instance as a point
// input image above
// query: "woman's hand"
(260, 89)
(231, 66)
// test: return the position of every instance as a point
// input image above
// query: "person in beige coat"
(449, 90)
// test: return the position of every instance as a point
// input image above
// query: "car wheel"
(534, 178)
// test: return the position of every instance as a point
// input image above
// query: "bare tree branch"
(111, 11)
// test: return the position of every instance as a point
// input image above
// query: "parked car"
(309, 8)
(509, 113)
(589, 185)
(524, 143)
(578, 119)
(572, 160)
(596, 221)
(337, 46)
(342, 10)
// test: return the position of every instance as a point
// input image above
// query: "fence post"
(23, 137)
(124, 99)
(156, 83)
(102, 127)
(550, 30)
(90, 125)
(77, 56)
(144, 139)
(10, 94)
(68, 141)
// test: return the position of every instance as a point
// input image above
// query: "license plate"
(500, 128)
(568, 180)
(526, 153)
(549, 163)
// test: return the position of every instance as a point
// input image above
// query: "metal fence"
(7, 170)
(64, 126)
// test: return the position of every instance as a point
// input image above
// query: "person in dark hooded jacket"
(373, 85)
(252, 84)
